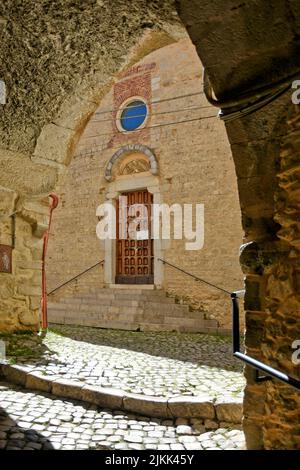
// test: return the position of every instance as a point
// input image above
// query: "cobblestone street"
(154, 364)
(37, 421)
(148, 364)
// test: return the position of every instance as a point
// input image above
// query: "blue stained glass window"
(133, 115)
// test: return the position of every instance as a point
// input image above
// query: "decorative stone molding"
(126, 149)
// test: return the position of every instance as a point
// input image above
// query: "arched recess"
(57, 141)
(127, 149)
(46, 128)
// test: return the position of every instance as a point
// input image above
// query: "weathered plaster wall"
(57, 58)
(194, 167)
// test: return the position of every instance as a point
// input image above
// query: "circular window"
(133, 115)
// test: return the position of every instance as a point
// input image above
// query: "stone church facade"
(166, 162)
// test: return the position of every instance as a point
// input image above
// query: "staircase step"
(132, 323)
(131, 317)
(128, 309)
(150, 307)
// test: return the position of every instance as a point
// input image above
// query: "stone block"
(148, 406)
(52, 143)
(210, 424)
(192, 407)
(104, 397)
(228, 425)
(229, 412)
(36, 381)
(29, 317)
(14, 374)
(67, 388)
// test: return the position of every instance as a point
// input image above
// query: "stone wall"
(20, 286)
(271, 409)
(245, 47)
(195, 166)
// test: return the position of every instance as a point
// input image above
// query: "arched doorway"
(133, 181)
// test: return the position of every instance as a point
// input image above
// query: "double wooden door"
(134, 255)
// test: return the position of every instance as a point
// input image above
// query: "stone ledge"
(67, 388)
(229, 412)
(192, 407)
(104, 397)
(149, 406)
(14, 374)
(36, 381)
(184, 406)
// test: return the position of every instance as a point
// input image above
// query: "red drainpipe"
(53, 205)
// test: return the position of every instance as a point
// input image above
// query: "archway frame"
(132, 182)
(126, 150)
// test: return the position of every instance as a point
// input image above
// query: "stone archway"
(55, 103)
(46, 112)
(146, 179)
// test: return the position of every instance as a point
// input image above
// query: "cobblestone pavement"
(154, 364)
(37, 421)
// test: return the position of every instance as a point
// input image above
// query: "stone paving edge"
(184, 406)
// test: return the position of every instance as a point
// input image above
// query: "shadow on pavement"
(201, 349)
(14, 437)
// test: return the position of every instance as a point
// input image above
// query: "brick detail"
(136, 85)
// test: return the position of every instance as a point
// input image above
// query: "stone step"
(128, 308)
(172, 310)
(157, 298)
(124, 312)
(132, 313)
(149, 311)
(129, 301)
(164, 308)
(149, 308)
(86, 298)
(131, 292)
(134, 324)
(136, 317)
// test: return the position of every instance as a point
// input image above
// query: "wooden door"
(134, 260)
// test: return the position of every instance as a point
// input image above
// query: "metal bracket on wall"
(258, 365)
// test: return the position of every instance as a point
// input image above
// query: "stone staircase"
(133, 309)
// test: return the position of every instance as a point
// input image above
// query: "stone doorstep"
(159, 407)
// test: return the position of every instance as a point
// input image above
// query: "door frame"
(122, 184)
(136, 278)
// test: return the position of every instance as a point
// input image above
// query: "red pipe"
(53, 205)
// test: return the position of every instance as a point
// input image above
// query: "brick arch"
(125, 150)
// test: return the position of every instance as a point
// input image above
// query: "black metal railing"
(257, 365)
(196, 278)
(76, 277)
